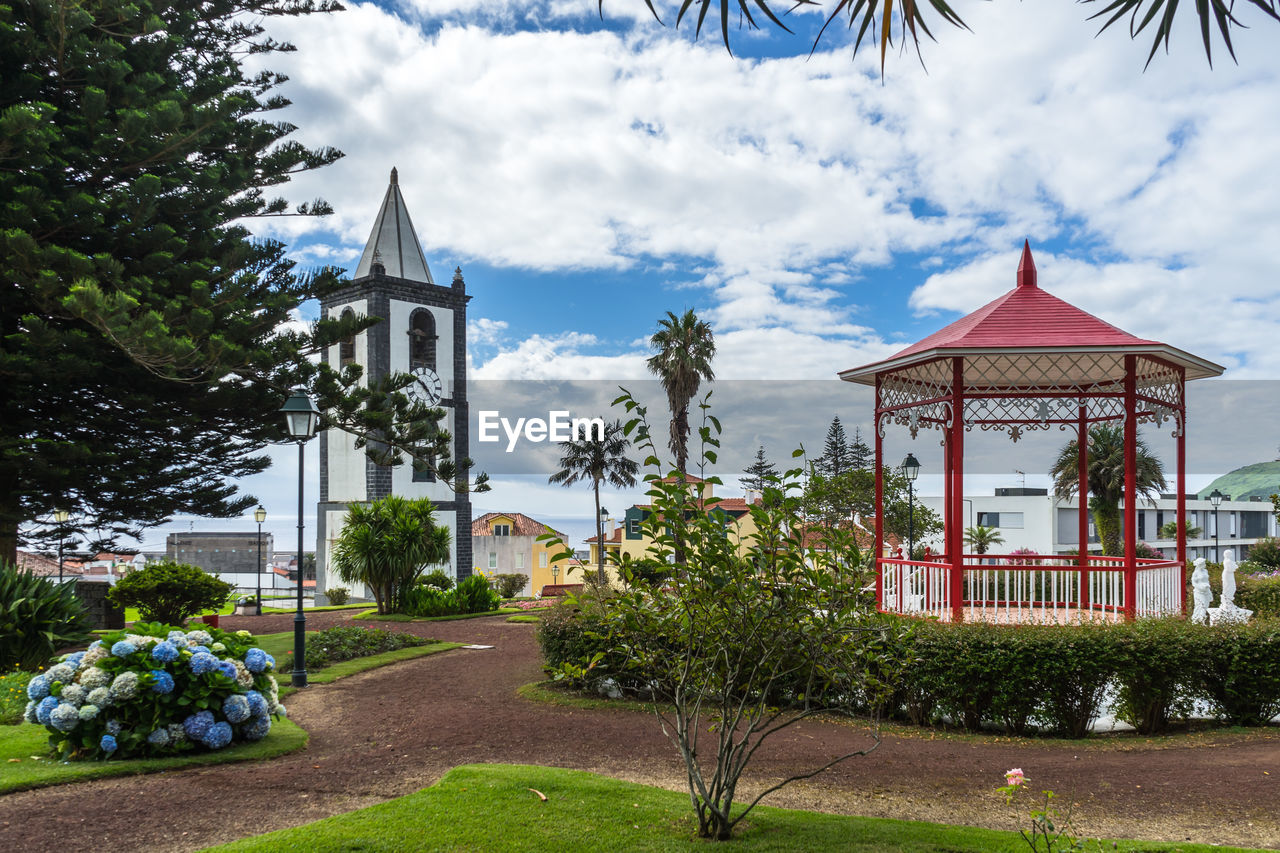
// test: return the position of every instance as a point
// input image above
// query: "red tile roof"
(43, 566)
(610, 538)
(522, 525)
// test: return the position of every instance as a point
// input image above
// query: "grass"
(324, 609)
(13, 696)
(584, 812)
(524, 617)
(373, 615)
(25, 742)
(279, 646)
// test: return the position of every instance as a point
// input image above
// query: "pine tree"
(141, 360)
(861, 457)
(759, 473)
(836, 458)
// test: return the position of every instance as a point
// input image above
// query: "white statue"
(1226, 611)
(1228, 601)
(1201, 594)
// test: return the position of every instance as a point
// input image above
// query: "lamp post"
(60, 516)
(301, 417)
(1215, 498)
(259, 515)
(911, 470)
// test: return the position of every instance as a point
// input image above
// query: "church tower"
(423, 332)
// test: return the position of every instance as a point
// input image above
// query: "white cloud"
(485, 331)
(559, 357)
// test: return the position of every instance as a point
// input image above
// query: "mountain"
(1262, 479)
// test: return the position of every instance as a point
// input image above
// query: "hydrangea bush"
(156, 691)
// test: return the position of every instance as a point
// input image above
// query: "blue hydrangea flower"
(88, 712)
(113, 727)
(165, 652)
(123, 648)
(256, 729)
(236, 708)
(60, 672)
(163, 682)
(65, 717)
(125, 686)
(107, 744)
(197, 725)
(228, 669)
(255, 660)
(73, 660)
(257, 703)
(178, 638)
(29, 714)
(281, 711)
(200, 638)
(96, 644)
(271, 662)
(219, 735)
(195, 650)
(100, 696)
(45, 708)
(203, 662)
(72, 693)
(159, 737)
(38, 688)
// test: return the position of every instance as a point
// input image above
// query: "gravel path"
(394, 730)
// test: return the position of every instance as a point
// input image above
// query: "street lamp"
(301, 417)
(60, 516)
(911, 470)
(1215, 498)
(259, 515)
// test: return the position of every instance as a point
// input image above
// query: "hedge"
(1027, 679)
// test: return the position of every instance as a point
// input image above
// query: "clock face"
(426, 387)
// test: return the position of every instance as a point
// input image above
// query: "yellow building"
(507, 543)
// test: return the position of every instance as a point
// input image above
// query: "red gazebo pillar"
(954, 531)
(1082, 492)
(1181, 511)
(1130, 487)
(878, 556)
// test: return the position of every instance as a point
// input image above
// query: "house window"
(520, 560)
(422, 339)
(1000, 519)
(347, 347)
(493, 559)
(633, 527)
(542, 560)
(502, 530)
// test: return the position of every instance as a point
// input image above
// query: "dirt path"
(394, 730)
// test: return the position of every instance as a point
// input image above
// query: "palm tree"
(684, 348)
(387, 544)
(1169, 530)
(980, 538)
(1106, 479)
(600, 458)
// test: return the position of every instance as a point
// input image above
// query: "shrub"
(1156, 661)
(37, 617)
(1239, 671)
(438, 579)
(337, 595)
(1266, 553)
(347, 642)
(474, 595)
(509, 586)
(168, 592)
(156, 691)
(13, 696)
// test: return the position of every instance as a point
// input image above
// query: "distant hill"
(1261, 479)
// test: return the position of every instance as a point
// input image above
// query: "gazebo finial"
(1026, 267)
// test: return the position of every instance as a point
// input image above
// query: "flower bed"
(532, 604)
(344, 643)
(156, 691)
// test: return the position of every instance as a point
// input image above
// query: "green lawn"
(524, 617)
(13, 696)
(491, 808)
(24, 742)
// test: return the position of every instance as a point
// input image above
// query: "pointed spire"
(393, 244)
(1026, 267)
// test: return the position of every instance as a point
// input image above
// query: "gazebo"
(1030, 361)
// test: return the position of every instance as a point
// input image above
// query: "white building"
(1035, 519)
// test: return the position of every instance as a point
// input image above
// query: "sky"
(590, 175)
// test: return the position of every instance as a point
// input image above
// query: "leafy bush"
(509, 586)
(37, 617)
(156, 691)
(13, 696)
(437, 578)
(1156, 661)
(1239, 671)
(345, 643)
(1266, 553)
(337, 595)
(168, 592)
(474, 595)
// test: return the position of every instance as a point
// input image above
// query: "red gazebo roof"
(1032, 321)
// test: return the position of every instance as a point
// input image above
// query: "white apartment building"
(1035, 519)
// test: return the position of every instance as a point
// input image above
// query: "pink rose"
(1015, 777)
